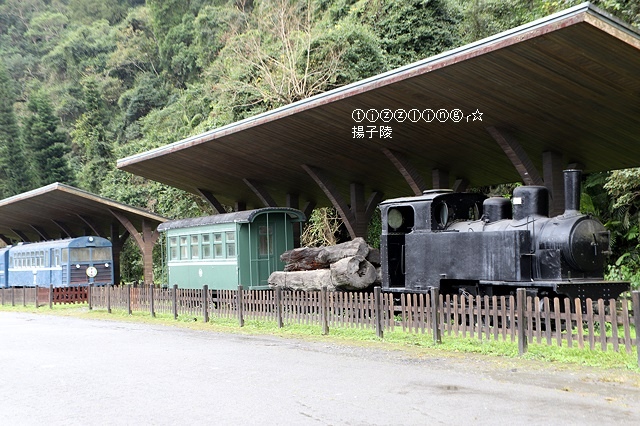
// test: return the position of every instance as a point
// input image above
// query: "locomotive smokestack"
(572, 179)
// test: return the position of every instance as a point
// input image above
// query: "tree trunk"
(302, 280)
(353, 273)
(310, 258)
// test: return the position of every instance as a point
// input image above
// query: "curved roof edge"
(579, 13)
(245, 216)
(108, 202)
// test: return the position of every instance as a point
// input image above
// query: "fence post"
(50, 296)
(205, 302)
(151, 306)
(278, 295)
(13, 296)
(2, 294)
(129, 298)
(521, 301)
(89, 293)
(174, 295)
(239, 302)
(36, 297)
(109, 298)
(435, 314)
(635, 298)
(377, 302)
(324, 305)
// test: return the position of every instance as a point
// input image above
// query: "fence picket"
(568, 323)
(614, 324)
(603, 328)
(579, 323)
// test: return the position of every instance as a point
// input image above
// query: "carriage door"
(265, 252)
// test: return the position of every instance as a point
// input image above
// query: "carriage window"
(101, 253)
(265, 243)
(231, 244)
(65, 255)
(184, 248)
(206, 246)
(217, 244)
(80, 255)
(173, 248)
(56, 258)
(195, 247)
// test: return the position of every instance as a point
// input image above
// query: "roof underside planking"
(61, 211)
(568, 83)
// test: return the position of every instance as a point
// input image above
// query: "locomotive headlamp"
(394, 218)
(106, 265)
(443, 214)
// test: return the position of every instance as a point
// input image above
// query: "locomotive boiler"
(468, 243)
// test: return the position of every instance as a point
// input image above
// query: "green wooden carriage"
(225, 250)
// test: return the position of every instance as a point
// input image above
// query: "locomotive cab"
(433, 211)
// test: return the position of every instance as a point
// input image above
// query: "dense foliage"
(83, 83)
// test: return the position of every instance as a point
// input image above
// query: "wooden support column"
(358, 209)
(440, 179)
(517, 155)
(406, 169)
(212, 200)
(5, 239)
(308, 208)
(460, 185)
(293, 202)
(554, 181)
(117, 242)
(355, 217)
(261, 192)
(145, 239)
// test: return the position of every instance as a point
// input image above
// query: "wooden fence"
(40, 296)
(600, 324)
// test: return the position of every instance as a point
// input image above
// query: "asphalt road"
(68, 371)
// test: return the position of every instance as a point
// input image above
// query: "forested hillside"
(85, 82)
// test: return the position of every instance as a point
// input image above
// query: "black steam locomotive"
(465, 242)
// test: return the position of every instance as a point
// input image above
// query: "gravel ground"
(68, 371)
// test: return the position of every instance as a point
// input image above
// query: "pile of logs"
(348, 266)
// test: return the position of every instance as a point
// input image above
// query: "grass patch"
(420, 345)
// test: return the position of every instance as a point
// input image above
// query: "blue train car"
(4, 264)
(61, 263)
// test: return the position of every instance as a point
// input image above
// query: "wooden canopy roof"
(568, 84)
(61, 211)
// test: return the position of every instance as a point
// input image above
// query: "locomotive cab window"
(400, 219)
(442, 214)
